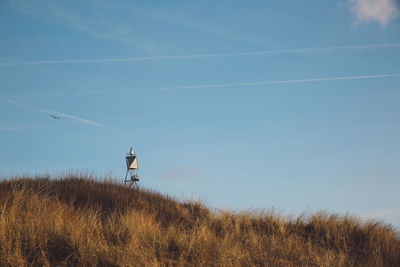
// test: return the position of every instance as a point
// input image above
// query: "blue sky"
(242, 104)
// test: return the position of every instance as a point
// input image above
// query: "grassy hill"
(77, 220)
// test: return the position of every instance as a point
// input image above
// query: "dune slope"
(77, 220)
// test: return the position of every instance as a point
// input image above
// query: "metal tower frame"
(132, 169)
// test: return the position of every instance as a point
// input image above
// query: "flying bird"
(139, 116)
(54, 117)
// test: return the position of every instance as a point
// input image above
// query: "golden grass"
(79, 221)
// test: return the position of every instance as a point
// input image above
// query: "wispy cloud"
(182, 16)
(220, 85)
(76, 93)
(194, 56)
(61, 114)
(381, 11)
(205, 86)
(97, 23)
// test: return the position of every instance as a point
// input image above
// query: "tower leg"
(126, 177)
(133, 179)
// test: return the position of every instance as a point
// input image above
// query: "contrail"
(72, 117)
(194, 56)
(283, 81)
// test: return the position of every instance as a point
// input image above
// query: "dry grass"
(77, 220)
